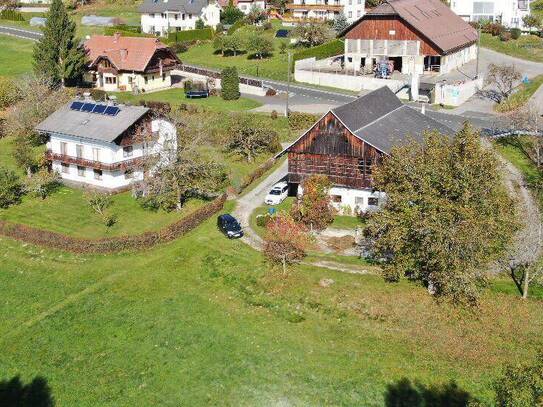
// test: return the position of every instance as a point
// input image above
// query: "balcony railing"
(118, 166)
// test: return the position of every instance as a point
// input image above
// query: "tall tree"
(58, 55)
(446, 217)
(521, 385)
(503, 78)
(340, 23)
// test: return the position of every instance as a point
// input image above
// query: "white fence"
(318, 73)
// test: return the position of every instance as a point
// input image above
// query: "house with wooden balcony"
(133, 64)
(105, 145)
(326, 9)
(348, 142)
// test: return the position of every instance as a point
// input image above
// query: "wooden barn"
(417, 35)
(349, 141)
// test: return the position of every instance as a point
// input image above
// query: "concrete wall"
(456, 94)
(304, 73)
(251, 90)
(457, 59)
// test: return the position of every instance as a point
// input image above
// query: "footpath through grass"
(204, 321)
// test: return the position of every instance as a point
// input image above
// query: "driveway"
(247, 203)
(21, 33)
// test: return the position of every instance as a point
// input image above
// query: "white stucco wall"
(125, 81)
(353, 201)
(162, 23)
(508, 11)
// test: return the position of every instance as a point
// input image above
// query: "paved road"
(21, 33)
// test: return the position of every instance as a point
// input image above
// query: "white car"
(277, 194)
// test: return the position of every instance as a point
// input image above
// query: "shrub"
(230, 83)
(505, 36)
(263, 220)
(314, 209)
(267, 25)
(97, 94)
(8, 92)
(495, 29)
(326, 50)
(219, 28)
(11, 189)
(203, 34)
(301, 121)
(515, 33)
(273, 115)
(12, 15)
(179, 47)
(199, 24)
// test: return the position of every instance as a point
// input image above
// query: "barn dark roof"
(433, 19)
(380, 119)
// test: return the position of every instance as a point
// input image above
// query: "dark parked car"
(229, 226)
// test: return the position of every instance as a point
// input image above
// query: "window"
(65, 168)
(128, 174)
(152, 15)
(365, 166)
(350, 2)
(63, 148)
(175, 16)
(79, 151)
(130, 80)
(106, 63)
(163, 15)
(97, 174)
(128, 151)
(350, 14)
(146, 79)
(80, 171)
(336, 198)
(111, 80)
(373, 201)
(183, 16)
(96, 154)
(163, 77)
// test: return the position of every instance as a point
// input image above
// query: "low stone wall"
(309, 71)
(145, 240)
(456, 94)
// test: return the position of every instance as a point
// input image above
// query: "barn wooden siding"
(379, 28)
(330, 149)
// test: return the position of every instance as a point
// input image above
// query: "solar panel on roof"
(99, 109)
(87, 107)
(76, 106)
(112, 110)
(281, 34)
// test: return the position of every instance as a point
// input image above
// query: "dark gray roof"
(91, 125)
(184, 6)
(366, 109)
(399, 127)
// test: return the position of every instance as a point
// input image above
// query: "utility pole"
(288, 84)
(478, 51)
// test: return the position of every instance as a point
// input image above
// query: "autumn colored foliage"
(314, 209)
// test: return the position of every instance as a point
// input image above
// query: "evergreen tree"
(340, 23)
(57, 55)
(230, 83)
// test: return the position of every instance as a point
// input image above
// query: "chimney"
(116, 36)
(124, 53)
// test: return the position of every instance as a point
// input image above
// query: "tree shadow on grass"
(37, 393)
(403, 393)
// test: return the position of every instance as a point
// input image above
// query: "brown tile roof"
(433, 19)
(125, 53)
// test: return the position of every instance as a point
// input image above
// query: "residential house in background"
(160, 17)
(326, 9)
(349, 141)
(417, 35)
(120, 63)
(507, 12)
(105, 145)
(245, 5)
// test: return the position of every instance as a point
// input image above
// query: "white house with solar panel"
(107, 146)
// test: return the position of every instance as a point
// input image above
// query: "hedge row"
(191, 35)
(124, 32)
(260, 170)
(326, 50)
(12, 15)
(146, 240)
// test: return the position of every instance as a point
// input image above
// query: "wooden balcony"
(118, 166)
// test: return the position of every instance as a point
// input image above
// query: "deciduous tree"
(285, 241)
(446, 217)
(311, 34)
(231, 14)
(259, 45)
(521, 385)
(58, 55)
(531, 21)
(503, 78)
(314, 209)
(234, 43)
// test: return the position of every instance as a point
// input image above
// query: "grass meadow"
(15, 56)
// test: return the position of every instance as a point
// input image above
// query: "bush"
(230, 83)
(199, 24)
(505, 36)
(263, 220)
(97, 94)
(326, 50)
(179, 47)
(11, 189)
(12, 15)
(495, 29)
(515, 33)
(274, 115)
(231, 14)
(301, 121)
(8, 92)
(203, 34)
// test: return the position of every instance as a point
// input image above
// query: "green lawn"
(176, 96)
(66, 211)
(347, 222)
(529, 47)
(15, 56)
(273, 67)
(522, 95)
(7, 160)
(203, 321)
